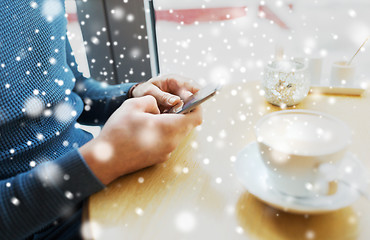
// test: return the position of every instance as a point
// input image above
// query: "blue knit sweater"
(42, 173)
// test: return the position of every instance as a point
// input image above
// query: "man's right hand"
(136, 136)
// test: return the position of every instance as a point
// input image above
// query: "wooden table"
(196, 194)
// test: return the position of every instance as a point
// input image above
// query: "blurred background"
(216, 40)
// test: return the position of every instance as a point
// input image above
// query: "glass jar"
(286, 82)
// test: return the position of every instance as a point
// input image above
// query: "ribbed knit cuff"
(78, 179)
(38, 197)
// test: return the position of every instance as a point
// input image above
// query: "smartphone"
(199, 97)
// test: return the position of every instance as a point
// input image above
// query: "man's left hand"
(169, 90)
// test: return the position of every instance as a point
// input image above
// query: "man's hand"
(136, 136)
(169, 91)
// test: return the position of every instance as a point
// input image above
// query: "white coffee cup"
(342, 74)
(295, 143)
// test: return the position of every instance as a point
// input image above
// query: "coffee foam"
(302, 134)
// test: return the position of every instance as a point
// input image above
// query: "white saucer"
(252, 172)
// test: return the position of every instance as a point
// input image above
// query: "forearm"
(34, 199)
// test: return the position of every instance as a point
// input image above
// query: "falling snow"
(103, 151)
(51, 9)
(185, 221)
(86, 228)
(140, 180)
(34, 106)
(226, 52)
(64, 112)
(15, 201)
(50, 173)
(310, 234)
(139, 211)
(69, 195)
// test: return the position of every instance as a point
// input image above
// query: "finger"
(175, 83)
(184, 94)
(182, 122)
(183, 89)
(195, 116)
(146, 104)
(164, 98)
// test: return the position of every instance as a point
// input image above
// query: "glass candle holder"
(286, 82)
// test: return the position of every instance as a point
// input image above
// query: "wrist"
(100, 168)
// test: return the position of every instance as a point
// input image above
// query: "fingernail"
(189, 94)
(172, 100)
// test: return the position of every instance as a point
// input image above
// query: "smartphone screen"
(199, 97)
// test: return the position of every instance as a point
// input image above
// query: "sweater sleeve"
(101, 99)
(30, 201)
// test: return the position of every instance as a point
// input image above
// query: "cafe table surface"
(197, 195)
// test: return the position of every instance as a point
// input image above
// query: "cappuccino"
(303, 133)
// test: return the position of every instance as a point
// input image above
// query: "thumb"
(146, 104)
(164, 98)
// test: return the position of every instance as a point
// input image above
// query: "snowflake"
(352, 13)
(209, 139)
(51, 9)
(135, 52)
(218, 180)
(64, 112)
(34, 5)
(33, 106)
(331, 100)
(40, 136)
(148, 136)
(139, 211)
(15, 201)
(239, 230)
(140, 180)
(50, 172)
(130, 18)
(103, 151)
(68, 195)
(118, 13)
(52, 61)
(90, 230)
(352, 220)
(95, 41)
(48, 113)
(185, 221)
(310, 234)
